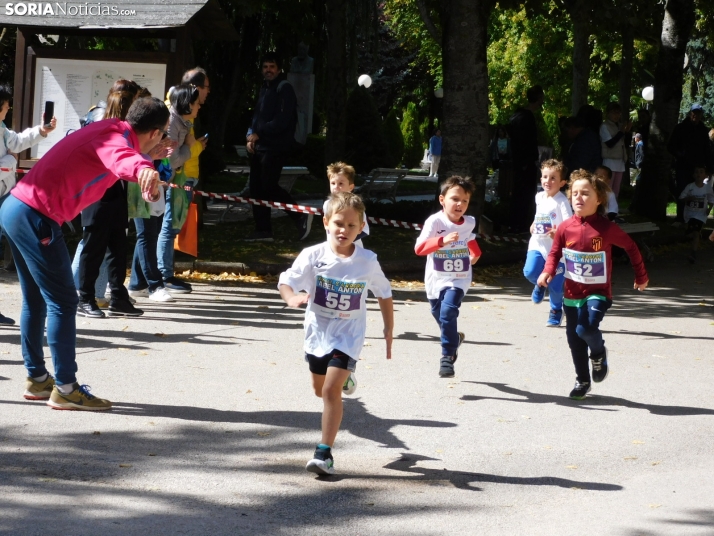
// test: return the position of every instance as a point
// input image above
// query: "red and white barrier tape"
(312, 210)
(317, 212)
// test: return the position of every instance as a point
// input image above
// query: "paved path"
(214, 421)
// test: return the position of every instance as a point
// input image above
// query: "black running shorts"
(319, 365)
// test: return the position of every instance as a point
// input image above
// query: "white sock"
(66, 388)
(42, 378)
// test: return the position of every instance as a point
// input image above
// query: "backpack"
(301, 124)
(95, 113)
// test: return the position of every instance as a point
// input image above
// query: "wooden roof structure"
(204, 17)
(176, 22)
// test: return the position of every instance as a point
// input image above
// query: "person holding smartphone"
(13, 143)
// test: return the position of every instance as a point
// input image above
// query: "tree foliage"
(413, 140)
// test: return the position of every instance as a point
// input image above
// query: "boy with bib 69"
(447, 238)
(336, 276)
(585, 243)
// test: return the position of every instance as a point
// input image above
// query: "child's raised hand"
(641, 286)
(297, 300)
(388, 337)
(551, 233)
(544, 279)
(451, 237)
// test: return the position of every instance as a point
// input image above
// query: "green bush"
(366, 145)
(413, 140)
(395, 139)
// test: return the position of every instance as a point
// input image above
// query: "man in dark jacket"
(270, 140)
(585, 150)
(689, 144)
(523, 132)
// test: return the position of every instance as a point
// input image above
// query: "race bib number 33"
(337, 299)
(542, 224)
(588, 268)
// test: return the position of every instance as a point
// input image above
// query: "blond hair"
(600, 186)
(340, 167)
(343, 200)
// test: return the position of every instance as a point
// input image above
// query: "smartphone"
(49, 112)
(205, 136)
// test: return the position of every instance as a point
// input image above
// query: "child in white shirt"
(696, 195)
(342, 179)
(336, 276)
(447, 238)
(552, 209)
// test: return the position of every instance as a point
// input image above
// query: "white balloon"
(439, 93)
(364, 80)
(648, 93)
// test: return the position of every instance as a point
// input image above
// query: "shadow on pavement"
(592, 402)
(697, 518)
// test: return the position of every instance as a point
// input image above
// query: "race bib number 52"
(588, 268)
(337, 299)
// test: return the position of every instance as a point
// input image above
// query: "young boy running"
(552, 209)
(613, 209)
(585, 242)
(448, 240)
(336, 276)
(695, 196)
(342, 179)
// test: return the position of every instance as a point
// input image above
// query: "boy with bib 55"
(447, 238)
(336, 276)
(585, 243)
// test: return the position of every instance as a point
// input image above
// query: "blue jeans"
(100, 287)
(583, 331)
(165, 247)
(48, 292)
(144, 269)
(534, 267)
(445, 310)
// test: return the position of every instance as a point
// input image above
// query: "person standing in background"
(612, 138)
(435, 153)
(523, 131)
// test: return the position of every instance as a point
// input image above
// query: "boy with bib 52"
(585, 243)
(336, 276)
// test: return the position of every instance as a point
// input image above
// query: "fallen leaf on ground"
(162, 335)
(571, 466)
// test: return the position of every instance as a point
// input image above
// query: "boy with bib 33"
(447, 238)
(552, 209)
(585, 243)
(336, 276)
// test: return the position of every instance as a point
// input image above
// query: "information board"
(77, 85)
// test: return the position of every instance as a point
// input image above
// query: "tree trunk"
(653, 187)
(465, 103)
(336, 80)
(628, 46)
(580, 15)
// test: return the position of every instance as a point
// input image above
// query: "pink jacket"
(78, 169)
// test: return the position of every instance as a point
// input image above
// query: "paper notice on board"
(77, 85)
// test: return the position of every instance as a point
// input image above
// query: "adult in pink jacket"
(72, 175)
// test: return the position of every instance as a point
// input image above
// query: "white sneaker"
(143, 293)
(161, 295)
(350, 385)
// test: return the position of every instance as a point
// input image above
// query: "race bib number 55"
(452, 262)
(588, 268)
(337, 299)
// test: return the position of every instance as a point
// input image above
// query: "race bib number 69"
(337, 299)
(454, 262)
(588, 268)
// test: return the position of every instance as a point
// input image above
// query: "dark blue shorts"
(336, 358)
